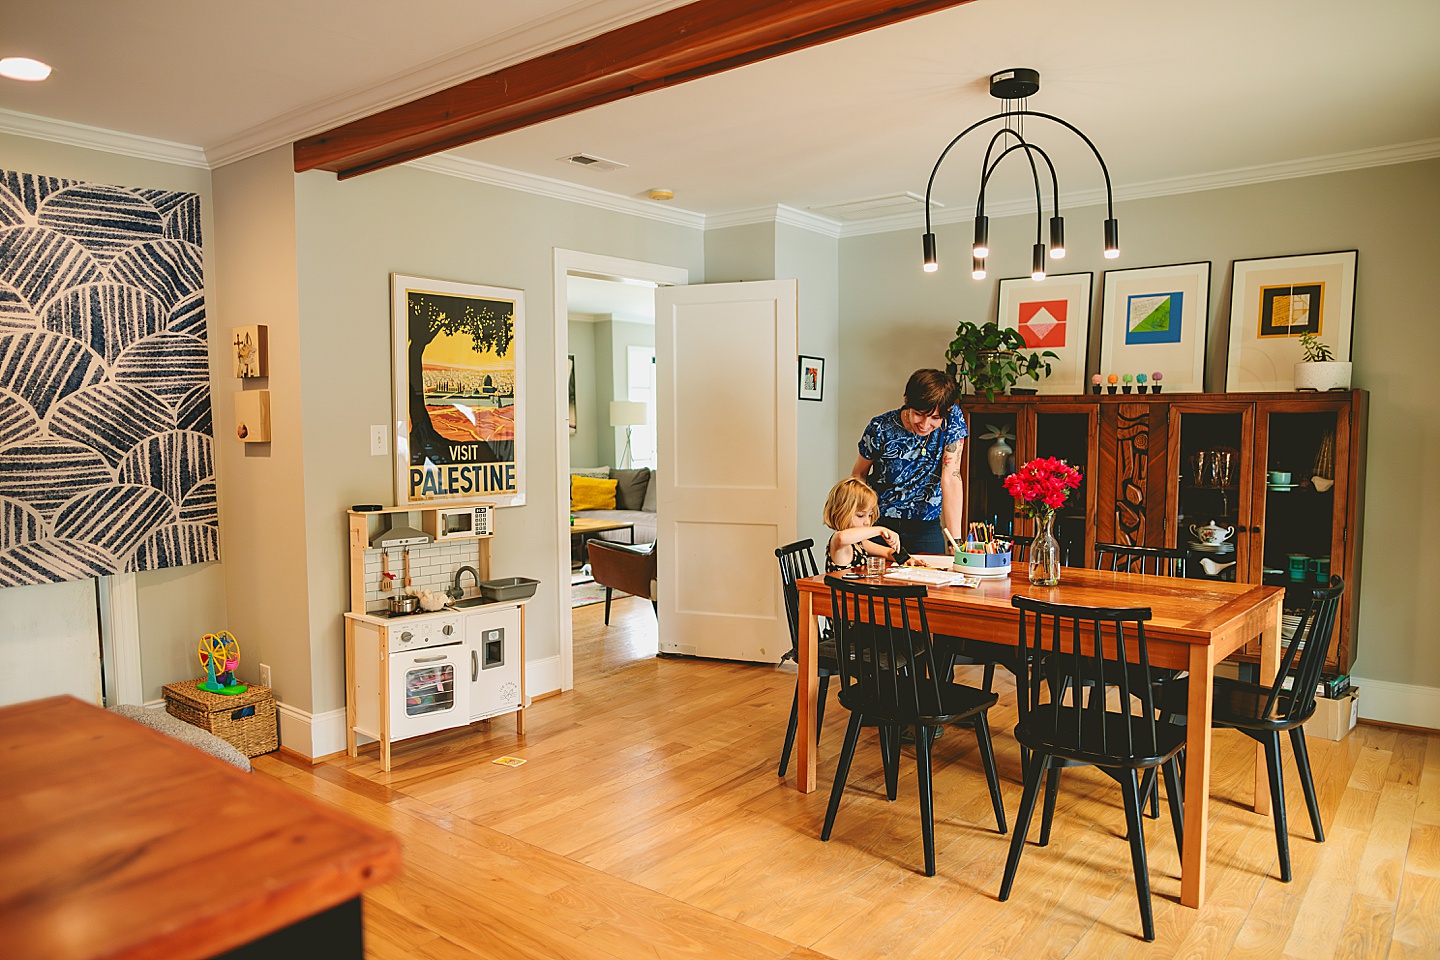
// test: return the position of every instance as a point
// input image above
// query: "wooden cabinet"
(1157, 464)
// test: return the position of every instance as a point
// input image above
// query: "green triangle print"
(1159, 319)
(1154, 318)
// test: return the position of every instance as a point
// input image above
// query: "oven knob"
(406, 637)
(448, 629)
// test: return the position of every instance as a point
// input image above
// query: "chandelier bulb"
(977, 268)
(1037, 263)
(931, 264)
(1057, 238)
(981, 250)
(1112, 239)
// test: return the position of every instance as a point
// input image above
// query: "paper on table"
(937, 578)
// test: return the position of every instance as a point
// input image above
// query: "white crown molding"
(779, 213)
(557, 189)
(1169, 186)
(496, 52)
(97, 138)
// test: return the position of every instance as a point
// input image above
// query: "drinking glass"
(874, 566)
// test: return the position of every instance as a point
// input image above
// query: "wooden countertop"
(119, 842)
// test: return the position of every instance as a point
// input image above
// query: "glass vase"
(1045, 552)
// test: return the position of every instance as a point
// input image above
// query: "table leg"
(809, 685)
(1269, 666)
(1197, 776)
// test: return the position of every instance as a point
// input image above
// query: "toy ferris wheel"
(220, 655)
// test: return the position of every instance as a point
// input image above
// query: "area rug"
(584, 594)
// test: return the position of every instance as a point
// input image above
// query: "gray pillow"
(186, 733)
(648, 505)
(594, 473)
(630, 487)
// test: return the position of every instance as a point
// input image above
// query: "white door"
(49, 642)
(725, 411)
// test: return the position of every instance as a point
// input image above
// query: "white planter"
(1325, 375)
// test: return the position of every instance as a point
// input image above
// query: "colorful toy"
(1095, 383)
(220, 655)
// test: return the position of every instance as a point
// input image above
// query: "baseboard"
(543, 675)
(1405, 704)
(311, 735)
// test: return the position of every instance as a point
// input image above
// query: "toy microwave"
(450, 523)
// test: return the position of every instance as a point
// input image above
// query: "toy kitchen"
(431, 641)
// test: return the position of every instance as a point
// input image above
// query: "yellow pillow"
(588, 493)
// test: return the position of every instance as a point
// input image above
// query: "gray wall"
(584, 444)
(350, 237)
(613, 339)
(898, 318)
(179, 605)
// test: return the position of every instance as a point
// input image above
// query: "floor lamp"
(627, 413)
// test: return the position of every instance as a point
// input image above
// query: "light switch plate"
(265, 675)
(379, 440)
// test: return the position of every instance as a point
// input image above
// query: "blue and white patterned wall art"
(107, 458)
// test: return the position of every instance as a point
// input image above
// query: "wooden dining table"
(1194, 624)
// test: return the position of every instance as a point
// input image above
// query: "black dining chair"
(1127, 558)
(1093, 648)
(796, 563)
(1264, 712)
(889, 679)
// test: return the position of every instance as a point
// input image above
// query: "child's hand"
(891, 537)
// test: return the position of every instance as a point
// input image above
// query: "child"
(850, 512)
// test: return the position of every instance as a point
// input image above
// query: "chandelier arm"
(1030, 149)
(1104, 170)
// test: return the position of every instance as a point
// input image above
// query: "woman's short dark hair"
(930, 391)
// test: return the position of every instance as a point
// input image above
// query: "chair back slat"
(796, 563)
(1305, 654)
(1082, 649)
(1124, 558)
(884, 647)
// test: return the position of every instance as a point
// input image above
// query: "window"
(640, 374)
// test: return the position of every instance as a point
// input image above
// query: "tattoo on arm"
(952, 457)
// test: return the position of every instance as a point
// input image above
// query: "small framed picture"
(1274, 302)
(1155, 319)
(812, 378)
(1051, 314)
(252, 351)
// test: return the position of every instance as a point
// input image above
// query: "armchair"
(624, 567)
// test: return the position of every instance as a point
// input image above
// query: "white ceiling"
(594, 299)
(1166, 90)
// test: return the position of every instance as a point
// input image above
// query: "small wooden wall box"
(246, 720)
(252, 416)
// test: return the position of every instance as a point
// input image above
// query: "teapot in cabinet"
(1212, 533)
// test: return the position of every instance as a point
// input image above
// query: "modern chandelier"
(1014, 87)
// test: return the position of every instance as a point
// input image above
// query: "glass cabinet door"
(1210, 462)
(988, 461)
(1066, 431)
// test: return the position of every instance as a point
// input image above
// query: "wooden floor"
(649, 822)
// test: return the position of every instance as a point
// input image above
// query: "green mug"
(1299, 566)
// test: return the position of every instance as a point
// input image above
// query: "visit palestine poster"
(459, 402)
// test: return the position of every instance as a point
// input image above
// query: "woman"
(911, 456)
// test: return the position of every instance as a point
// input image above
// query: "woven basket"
(245, 721)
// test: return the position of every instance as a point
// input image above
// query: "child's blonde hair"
(847, 498)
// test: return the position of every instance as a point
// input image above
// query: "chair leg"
(608, 591)
(790, 731)
(1302, 764)
(1033, 771)
(1153, 795)
(842, 770)
(1175, 793)
(890, 759)
(992, 775)
(927, 799)
(989, 676)
(1052, 790)
(820, 706)
(1130, 787)
(1277, 803)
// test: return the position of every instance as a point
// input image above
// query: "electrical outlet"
(379, 440)
(265, 675)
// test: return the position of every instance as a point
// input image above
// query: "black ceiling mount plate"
(1016, 83)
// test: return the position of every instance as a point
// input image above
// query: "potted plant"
(1320, 370)
(991, 358)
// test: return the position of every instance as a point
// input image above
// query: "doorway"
(614, 299)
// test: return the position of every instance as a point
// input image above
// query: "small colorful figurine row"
(1139, 381)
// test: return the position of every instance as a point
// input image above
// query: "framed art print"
(812, 378)
(1276, 300)
(457, 354)
(1051, 314)
(1156, 320)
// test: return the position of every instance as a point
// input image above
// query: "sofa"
(634, 502)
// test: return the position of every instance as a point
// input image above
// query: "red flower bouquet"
(1041, 487)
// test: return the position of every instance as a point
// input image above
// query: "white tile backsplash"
(432, 566)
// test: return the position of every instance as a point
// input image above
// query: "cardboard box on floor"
(1334, 719)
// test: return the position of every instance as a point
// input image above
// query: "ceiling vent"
(870, 208)
(591, 162)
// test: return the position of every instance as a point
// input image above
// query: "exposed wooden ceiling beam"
(696, 40)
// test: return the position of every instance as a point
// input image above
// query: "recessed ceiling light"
(23, 68)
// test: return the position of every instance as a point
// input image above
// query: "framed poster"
(1273, 302)
(573, 421)
(1156, 320)
(458, 357)
(1051, 314)
(812, 378)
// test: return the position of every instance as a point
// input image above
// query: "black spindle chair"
(797, 563)
(888, 679)
(1264, 712)
(1095, 648)
(1125, 558)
